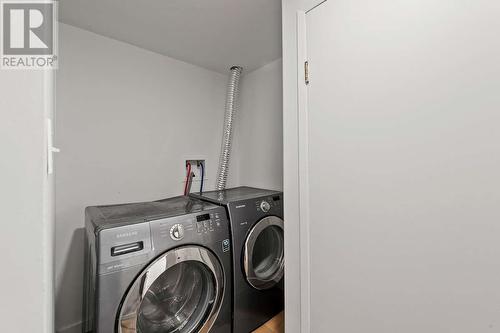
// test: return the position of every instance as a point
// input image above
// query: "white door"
(400, 146)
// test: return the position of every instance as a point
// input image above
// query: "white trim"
(297, 286)
(48, 243)
(303, 143)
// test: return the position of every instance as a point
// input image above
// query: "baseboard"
(73, 328)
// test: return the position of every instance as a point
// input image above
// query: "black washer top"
(112, 215)
(235, 194)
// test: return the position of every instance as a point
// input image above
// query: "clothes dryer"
(256, 220)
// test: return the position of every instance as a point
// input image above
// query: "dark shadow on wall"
(70, 291)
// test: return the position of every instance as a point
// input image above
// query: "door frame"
(49, 220)
(295, 148)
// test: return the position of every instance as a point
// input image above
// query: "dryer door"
(179, 292)
(263, 254)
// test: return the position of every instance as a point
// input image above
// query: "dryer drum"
(263, 255)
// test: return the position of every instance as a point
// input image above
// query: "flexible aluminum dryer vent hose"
(227, 135)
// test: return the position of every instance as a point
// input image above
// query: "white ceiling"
(214, 34)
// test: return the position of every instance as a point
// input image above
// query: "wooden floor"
(275, 325)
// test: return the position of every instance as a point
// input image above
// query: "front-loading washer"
(256, 220)
(162, 266)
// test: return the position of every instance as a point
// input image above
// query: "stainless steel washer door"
(180, 292)
(263, 254)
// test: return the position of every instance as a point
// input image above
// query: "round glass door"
(180, 292)
(263, 254)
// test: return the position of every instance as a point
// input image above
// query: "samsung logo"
(127, 234)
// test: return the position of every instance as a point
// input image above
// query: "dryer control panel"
(268, 203)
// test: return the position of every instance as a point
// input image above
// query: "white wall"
(126, 120)
(259, 132)
(26, 279)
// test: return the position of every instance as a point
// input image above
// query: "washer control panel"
(188, 228)
(207, 222)
(177, 232)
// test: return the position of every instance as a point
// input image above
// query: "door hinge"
(306, 72)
